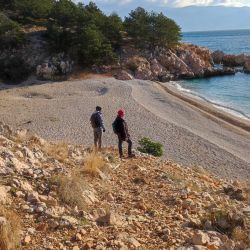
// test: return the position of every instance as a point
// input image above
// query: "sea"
(230, 93)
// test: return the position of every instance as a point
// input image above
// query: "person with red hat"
(120, 128)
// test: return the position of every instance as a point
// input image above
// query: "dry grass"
(70, 189)
(241, 235)
(58, 151)
(9, 231)
(93, 163)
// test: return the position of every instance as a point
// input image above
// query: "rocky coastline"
(185, 61)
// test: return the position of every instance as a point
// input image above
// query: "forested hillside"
(81, 32)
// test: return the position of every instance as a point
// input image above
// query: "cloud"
(175, 3)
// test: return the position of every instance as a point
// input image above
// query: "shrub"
(59, 151)
(93, 163)
(70, 189)
(150, 147)
(13, 69)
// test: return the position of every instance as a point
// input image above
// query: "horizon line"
(193, 31)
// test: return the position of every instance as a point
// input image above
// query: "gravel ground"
(61, 111)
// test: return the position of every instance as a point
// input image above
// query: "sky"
(173, 3)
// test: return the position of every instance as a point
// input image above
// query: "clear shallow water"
(231, 93)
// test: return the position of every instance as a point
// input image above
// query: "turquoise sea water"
(231, 93)
(231, 42)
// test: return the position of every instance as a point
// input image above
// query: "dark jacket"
(122, 128)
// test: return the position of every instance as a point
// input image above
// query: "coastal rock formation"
(219, 72)
(141, 67)
(228, 60)
(69, 198)
(184, 62)
(247, 67)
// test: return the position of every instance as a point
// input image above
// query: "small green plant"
(150, 147)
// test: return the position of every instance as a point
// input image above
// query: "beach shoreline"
(208, 107)
(60, 111)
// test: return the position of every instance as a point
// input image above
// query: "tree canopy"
(152, 29)
(84, 31)
(10, 33)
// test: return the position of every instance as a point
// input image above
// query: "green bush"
(13, 69)
(10, 33)
(150, 147)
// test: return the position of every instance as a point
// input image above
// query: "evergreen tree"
(152, 29)
(10, 33)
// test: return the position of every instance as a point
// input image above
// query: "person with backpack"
(98, 127)
(120, 128)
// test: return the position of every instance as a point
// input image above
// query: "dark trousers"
(98, 138)
(120, 141)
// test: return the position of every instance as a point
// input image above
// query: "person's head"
(98, 108)
(121, 113)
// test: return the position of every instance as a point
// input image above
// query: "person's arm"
(125, 129)
(101, 122)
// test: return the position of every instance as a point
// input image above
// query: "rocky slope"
(66, 197)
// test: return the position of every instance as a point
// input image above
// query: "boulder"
(200, 238)
(123, 75)
(33, 197)
(110, 219)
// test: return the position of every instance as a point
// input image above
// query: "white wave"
(215, 103)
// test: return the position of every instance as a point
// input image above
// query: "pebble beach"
(60, 111)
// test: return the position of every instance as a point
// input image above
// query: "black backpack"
(115, 127)
(94, 120)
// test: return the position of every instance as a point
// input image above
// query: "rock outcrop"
(56, 68)
(123, 75)
(184, 62)
(228, 60)
(68, 198)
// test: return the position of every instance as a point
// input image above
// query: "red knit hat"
(121, 112)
